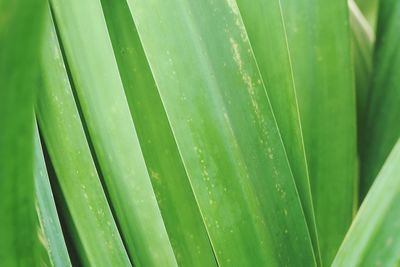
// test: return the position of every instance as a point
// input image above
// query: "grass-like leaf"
(382, 127)
(363, 41)
(264, 22)
(370, 10)
(91, 224)
(175, 197)
(49, 221)
(99, 88)
(226, 133)
(19, 47)
(319, 43)
(373, 239)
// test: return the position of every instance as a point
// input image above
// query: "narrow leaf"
(362, 40)
(99, 88)
(373, 239)
(54, 239)
(175, 197)
(370, 10)
(91, 223)
(266, 27)
(19, 47)
(319, 42)
(227, 136)
(382, 119)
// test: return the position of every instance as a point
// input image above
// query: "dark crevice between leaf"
(67, 226)
(88, 139)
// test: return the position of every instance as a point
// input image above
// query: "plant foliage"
(199, 133)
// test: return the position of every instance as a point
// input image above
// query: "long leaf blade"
(225, 131)
(266, 28)
(55, 244)
(373, 239)
(19, 47)
(177, 203)
(94, 71)
(362, 40)
(321, 60)
(382, 127)
(90, 220)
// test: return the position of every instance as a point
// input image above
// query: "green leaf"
(90, 221)
(319, 42)
(362, 40)
(265, 25)
(175, 197)
(370, 10)
(382, 127)
(373, 239)
(362, 48)
(226, 133)
(53, 236)
(19, 46)
(95, 75)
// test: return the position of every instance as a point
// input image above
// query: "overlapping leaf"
(370, 9)
(227, 136)
(373, 239)
(175, 197)
(363, 40)
(383, 111)
(266, 27)
(49, 220)
(90, 221)
(19, 47)
(95, 75)
(319, 42)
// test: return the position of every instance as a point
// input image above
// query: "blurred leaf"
(265, 25)
(52, 232)
(362, 39)
(373, 239)
(175, 197)
(19, 46)
(370, 10)
(319, 43)
(225, 131)
(94, 71)
(89, 217)
(382, 119)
